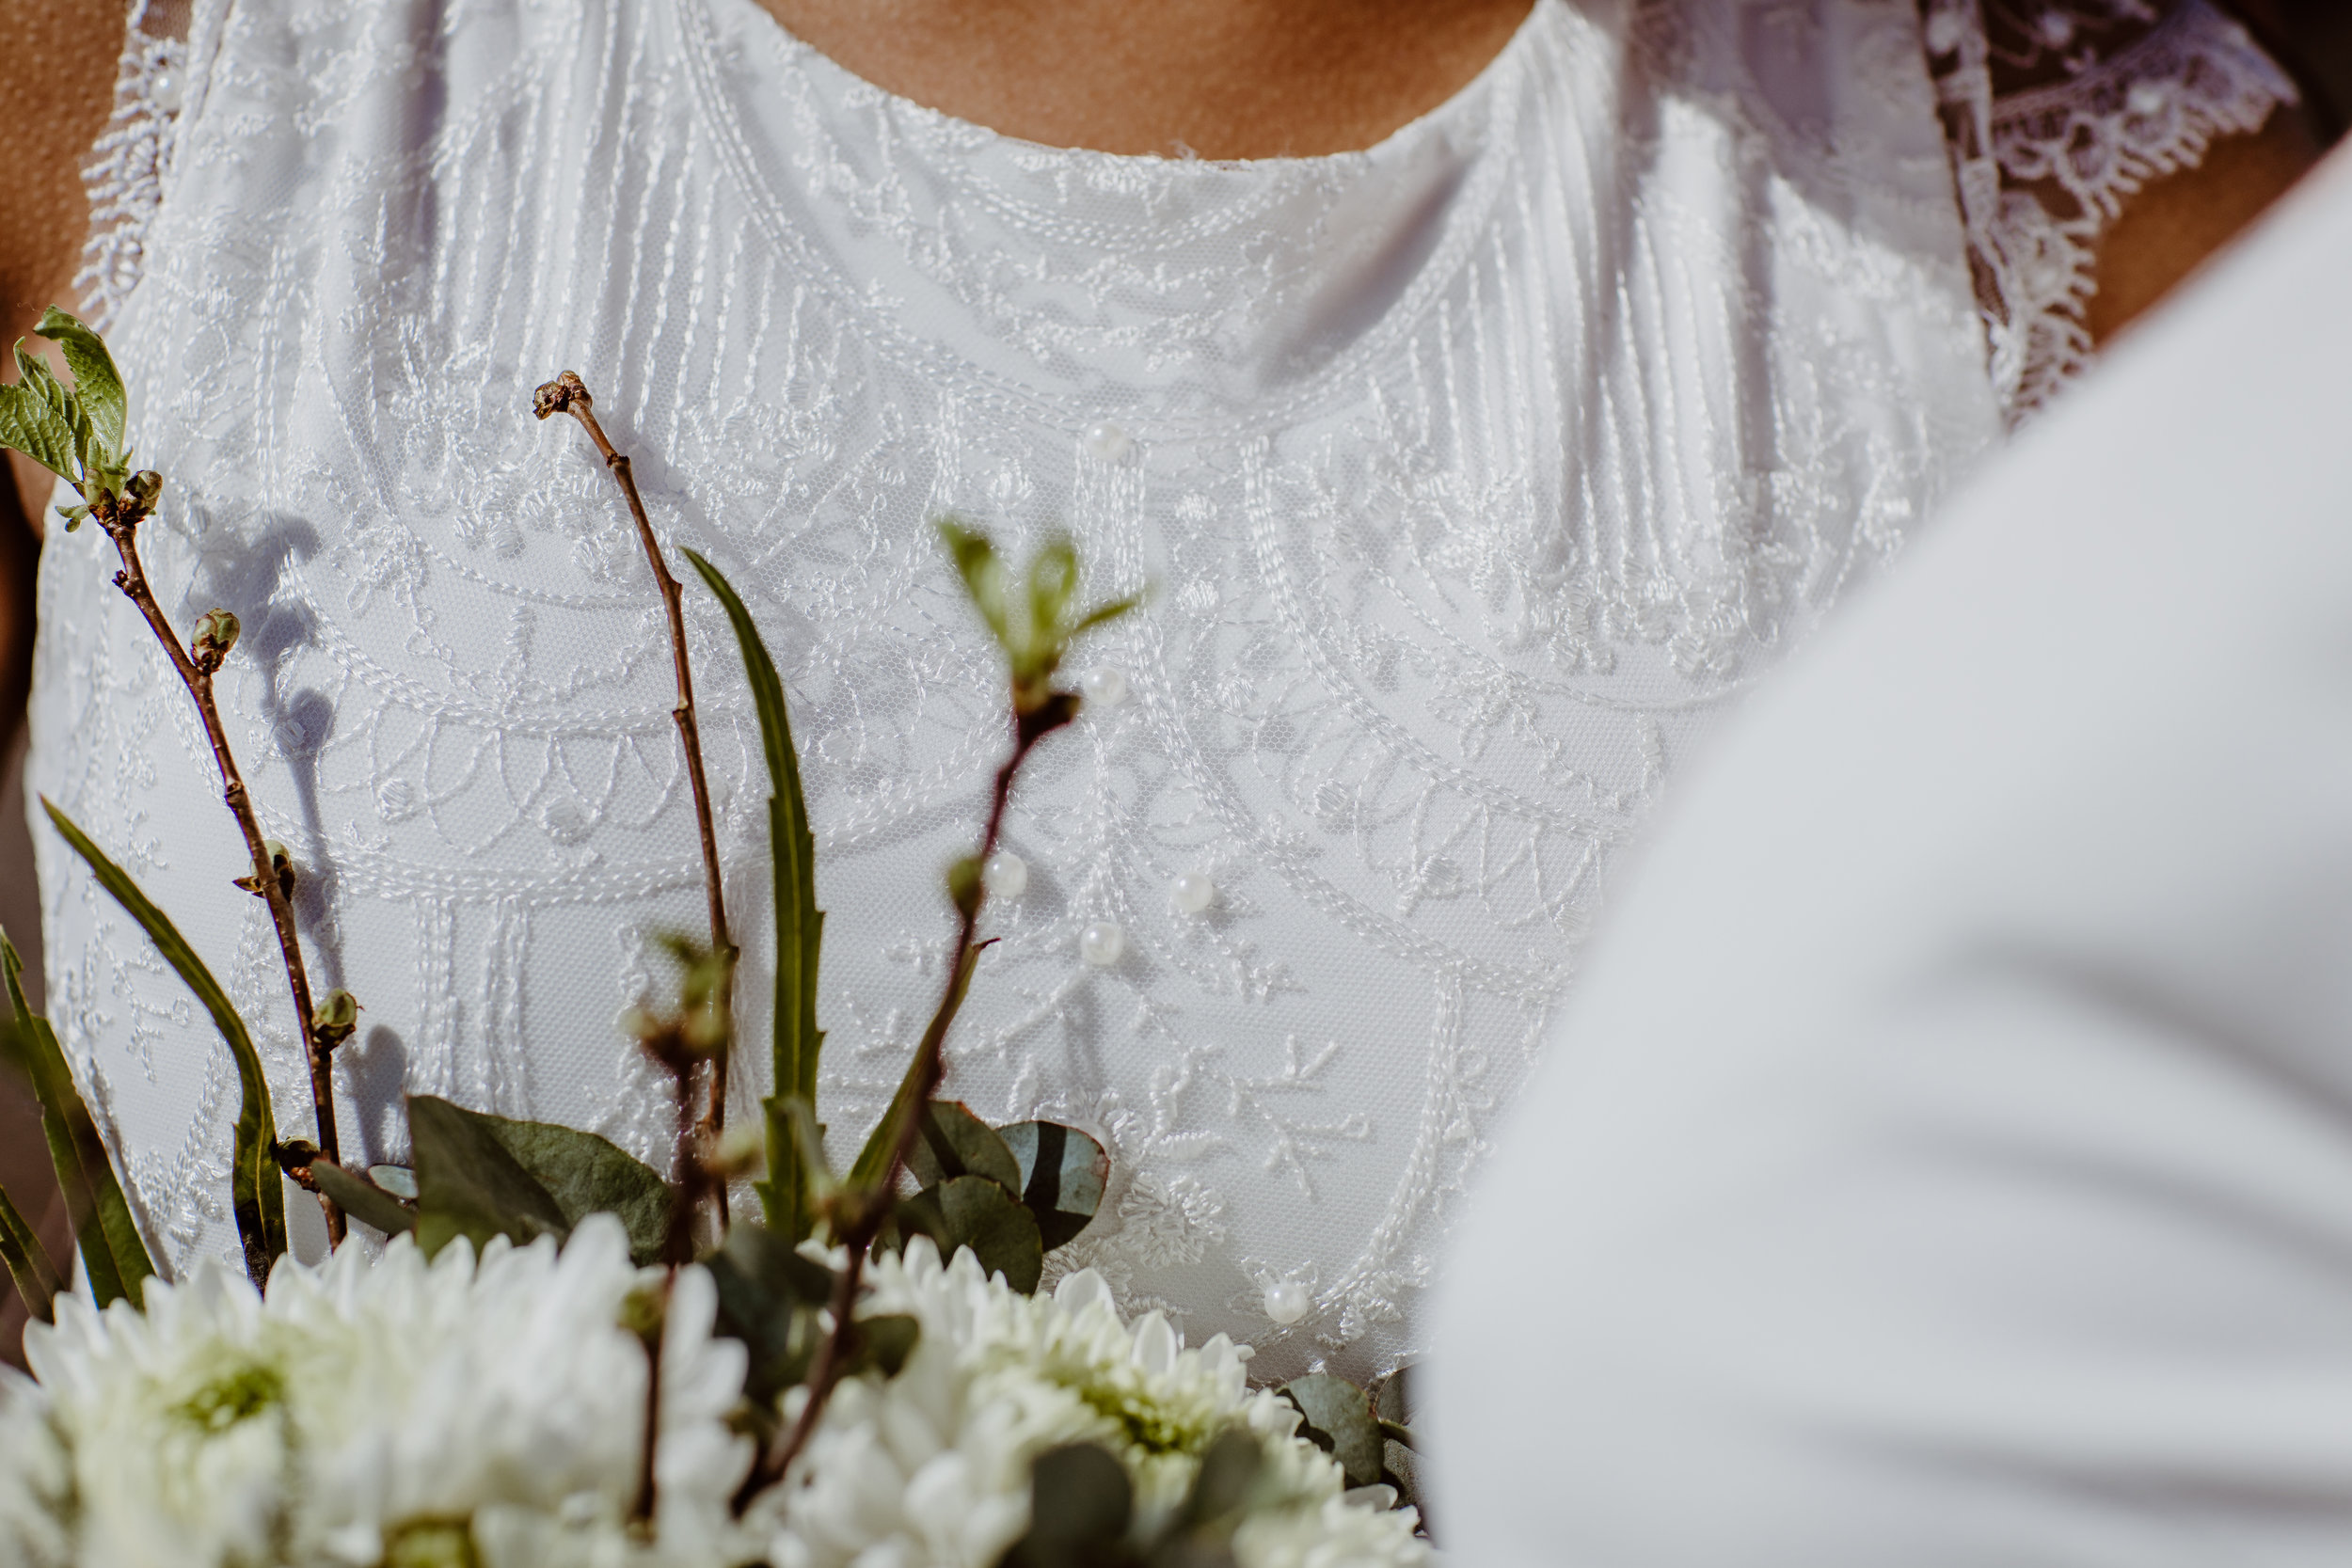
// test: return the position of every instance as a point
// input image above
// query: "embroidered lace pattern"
(1475, 474)
(126, 172)
(2123, 91)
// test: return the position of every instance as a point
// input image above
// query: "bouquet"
(558, 1354)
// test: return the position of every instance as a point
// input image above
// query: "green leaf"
(112, 1254)
(469, 1184)
(1063, 1172)
(884, 1342)
(398, 1181)
(1053, 583)
(362, 1198)
(96, 383)
(799, 925)
(588, 1175)
(31, 424)
(983, 576)
(1221, 1487)
(954, 1142)
(1080, 1506)
(873, 1161)
(1338, 1418)
(37, 1279)
(975, 1211)
(768, 1298)
(255, 1190)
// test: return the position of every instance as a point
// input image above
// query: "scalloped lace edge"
(2151, 110)
(127, 165)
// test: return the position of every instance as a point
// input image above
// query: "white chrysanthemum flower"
(931, 1467)
(372, 1408)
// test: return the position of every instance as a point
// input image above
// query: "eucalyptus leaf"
(398, 1181)
(96, 382)
(954, 1142)
(975, 1211)
(1062, 1174)
(469, 1184)
(37, 1279)
(1221, 1487)
(588, 1175)
(362, 1198)
(256, 1193)
(884, 1342)
(1080, 1506)
(1338, 1418)
(768, 1298)
(799, 927)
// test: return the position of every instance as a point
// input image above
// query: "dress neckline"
(1032, 279)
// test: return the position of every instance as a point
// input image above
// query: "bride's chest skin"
(1471, 478)
(1220, 78)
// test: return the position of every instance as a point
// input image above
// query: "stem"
(569, 394)
(866, 1221)
(120, 518)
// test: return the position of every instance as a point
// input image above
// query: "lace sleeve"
(2057, 112)
(126, 168)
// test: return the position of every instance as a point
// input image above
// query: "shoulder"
(55, 93)
(2105, 150)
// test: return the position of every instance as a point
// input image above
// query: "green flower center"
(241, 1391)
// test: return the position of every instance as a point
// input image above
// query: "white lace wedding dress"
(1472, 475)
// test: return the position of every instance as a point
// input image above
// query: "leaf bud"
(145, 487)
(280, 862)
(215, 635)
(964, 885)
(334, 1018)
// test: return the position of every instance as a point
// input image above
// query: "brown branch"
(120, 517)
(569, 394)
(865, 1214)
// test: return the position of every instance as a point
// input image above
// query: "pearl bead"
(2147, 100)
(1102, 942)
(1005, 874)
(1194, 892)
(1287, 1302)
(1103, 685)
(2057, 30)
(1106, 442)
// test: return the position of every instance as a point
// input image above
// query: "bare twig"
(569, 394)
(863, 1216)
(120, 516)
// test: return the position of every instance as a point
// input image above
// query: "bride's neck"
(1220, 78)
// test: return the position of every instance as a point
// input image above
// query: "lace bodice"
(1474, 475)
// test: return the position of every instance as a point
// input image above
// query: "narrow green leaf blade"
(96, 382)
(800, 924)
(114, 1254)
(256, 1193)
(37, 1279)
(362, 1198)
(873, 1161)
(469, 1184)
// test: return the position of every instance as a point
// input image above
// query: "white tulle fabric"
(1474, 475)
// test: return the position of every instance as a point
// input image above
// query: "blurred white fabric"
(1948, 1158)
